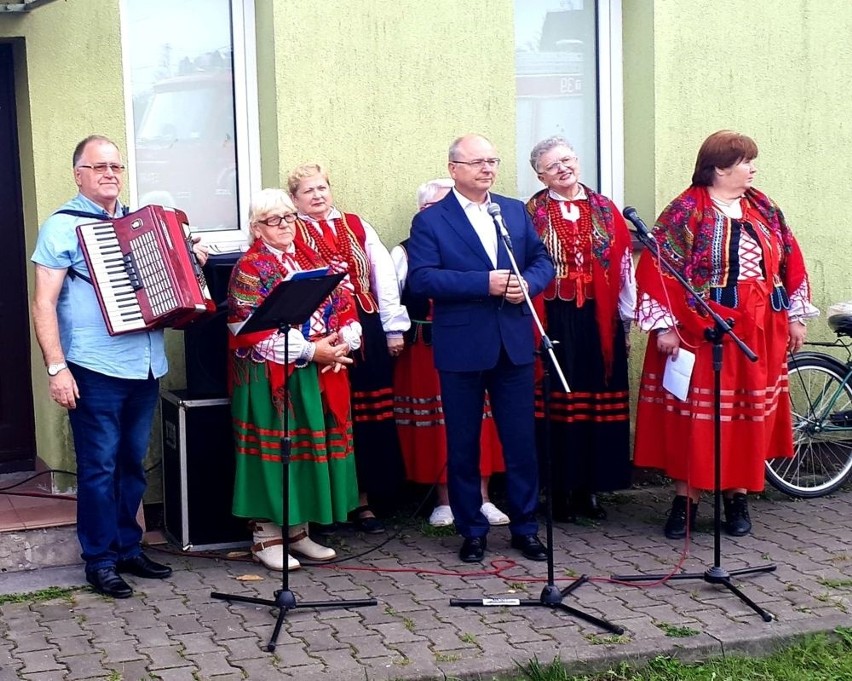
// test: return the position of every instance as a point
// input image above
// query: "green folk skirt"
(323, 487)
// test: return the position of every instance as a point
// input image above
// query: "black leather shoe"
(364, 520)
(586, 504)
(530, 546)
(318, 530)
(472, 549)
(142, 566)
(737, 519)
(106, 581)
(675, 527)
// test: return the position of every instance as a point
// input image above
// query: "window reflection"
(181, 74)
(556, 80)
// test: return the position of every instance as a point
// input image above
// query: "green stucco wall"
(376, 90)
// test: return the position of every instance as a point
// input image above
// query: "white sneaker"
(493, 515)
(442, 516)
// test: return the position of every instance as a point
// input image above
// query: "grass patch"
(836, 583)
(820, 657)
(673, 631)
(48, 594)
(428, 530)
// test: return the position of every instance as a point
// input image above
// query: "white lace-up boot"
(268, 546)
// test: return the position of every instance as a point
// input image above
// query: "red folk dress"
(744, 269)
(418, 409)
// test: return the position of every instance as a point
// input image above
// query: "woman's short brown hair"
(721, 150)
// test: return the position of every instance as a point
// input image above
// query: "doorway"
(17, 431)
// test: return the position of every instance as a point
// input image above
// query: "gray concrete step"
(42, 548)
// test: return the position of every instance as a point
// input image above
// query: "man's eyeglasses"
(275, 220)
(480, 163)
(101, 168)
(556, 166)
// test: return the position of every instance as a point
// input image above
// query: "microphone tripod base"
(285, 600)
(551, 597)
(715, 574)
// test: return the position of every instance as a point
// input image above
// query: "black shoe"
(106, 581)
(473, 549)
(318, 530)
(367, 524)
(586, 504)
(142, 566)
(530, 546)
(737, 520)
(675, 527)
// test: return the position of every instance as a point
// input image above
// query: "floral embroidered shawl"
(685, 234)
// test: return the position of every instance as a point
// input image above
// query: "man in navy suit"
(483, 337)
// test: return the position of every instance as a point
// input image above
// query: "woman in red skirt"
(417, 397)
(732, 244)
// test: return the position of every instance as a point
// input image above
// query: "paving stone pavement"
(174, 630)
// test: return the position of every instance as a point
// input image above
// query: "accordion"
(144, 271)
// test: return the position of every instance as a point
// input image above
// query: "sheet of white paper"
(678, 372)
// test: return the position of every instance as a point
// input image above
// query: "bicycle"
(821, 400)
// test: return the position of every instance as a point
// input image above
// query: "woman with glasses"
(732, 244)
(322, 466)
(588, 309)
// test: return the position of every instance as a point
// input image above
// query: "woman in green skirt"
(323, 486)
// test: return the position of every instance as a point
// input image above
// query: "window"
(192, 119)
(567, 71)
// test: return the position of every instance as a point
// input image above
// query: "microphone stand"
(714, 574)
(551, 595)
(305, 295)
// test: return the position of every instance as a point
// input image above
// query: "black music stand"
(290, 303)
(714, 574)
(551, 595)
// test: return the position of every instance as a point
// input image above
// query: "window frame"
(610, 100)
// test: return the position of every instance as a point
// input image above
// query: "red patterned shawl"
(684, 232)
(254, 277)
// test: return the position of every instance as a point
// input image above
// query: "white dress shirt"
(482, 223)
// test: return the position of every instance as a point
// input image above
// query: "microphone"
(497, 215)
(630, 213)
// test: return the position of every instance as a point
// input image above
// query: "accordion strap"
(72, 273)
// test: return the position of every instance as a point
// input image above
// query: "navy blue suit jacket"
(448, 264)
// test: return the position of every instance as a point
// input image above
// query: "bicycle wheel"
(822, 429)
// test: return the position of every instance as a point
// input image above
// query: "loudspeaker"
(206, 340)
(198, 473)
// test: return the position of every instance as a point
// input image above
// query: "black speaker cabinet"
(206, 341)
(198, 473)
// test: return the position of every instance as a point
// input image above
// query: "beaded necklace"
(570, 246)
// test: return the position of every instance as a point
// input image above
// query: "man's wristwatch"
(53, 369)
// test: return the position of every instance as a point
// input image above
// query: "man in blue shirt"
(109, 384)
